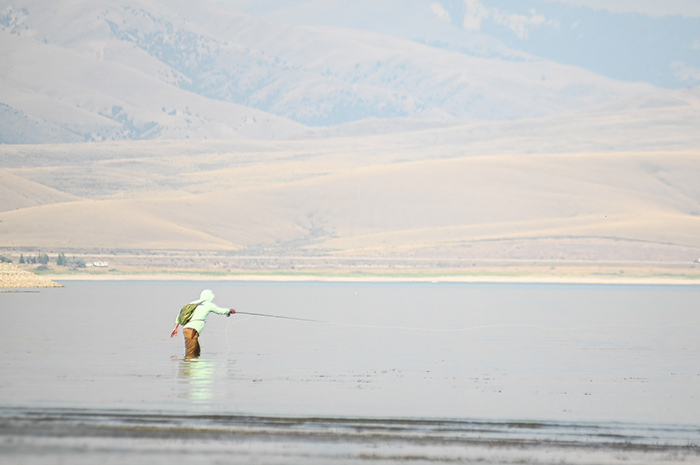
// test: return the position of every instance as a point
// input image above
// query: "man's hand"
(173, 333)
(231, 311)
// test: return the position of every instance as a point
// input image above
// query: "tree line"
(43, 259)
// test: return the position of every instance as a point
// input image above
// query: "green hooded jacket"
(202, 311)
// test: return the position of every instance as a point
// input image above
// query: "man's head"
(206, 295)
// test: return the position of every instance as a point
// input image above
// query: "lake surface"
(574, 360)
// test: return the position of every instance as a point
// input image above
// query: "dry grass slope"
(18, 193)
(525, 190)
(646, 204)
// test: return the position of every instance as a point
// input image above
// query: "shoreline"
(182, 266)
(369, 278)
(91, 421)
(14, 277)
(100, 435)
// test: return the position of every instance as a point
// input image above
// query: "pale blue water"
(621, 358)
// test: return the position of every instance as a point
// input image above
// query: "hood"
(206, 295)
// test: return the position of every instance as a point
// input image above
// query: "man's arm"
(221, 311)
(173, 333)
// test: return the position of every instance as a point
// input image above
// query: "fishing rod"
(280, 317)
(450, 330)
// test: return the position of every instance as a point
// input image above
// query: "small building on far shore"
(98, 264)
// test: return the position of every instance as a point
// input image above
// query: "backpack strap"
(197, 319)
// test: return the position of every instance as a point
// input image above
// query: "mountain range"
(390, 130)
(132, 70)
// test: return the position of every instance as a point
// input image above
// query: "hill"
(135, 70)
(631, 41)
(172, 134)
(18, 193)
(614, 183)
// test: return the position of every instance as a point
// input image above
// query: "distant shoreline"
(167, 266)
(13, 276)
(376, 278)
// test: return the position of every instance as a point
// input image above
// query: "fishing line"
(282, 317)
(228, 346)
(228, 322)
(455, 330)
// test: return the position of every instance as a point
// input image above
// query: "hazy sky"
(648, 7)
(634, 40)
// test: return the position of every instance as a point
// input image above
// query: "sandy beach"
(13, 277)
(530, 276)
(301, 277)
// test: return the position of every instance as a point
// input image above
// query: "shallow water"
(622, 358)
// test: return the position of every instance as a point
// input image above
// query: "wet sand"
(38, 437)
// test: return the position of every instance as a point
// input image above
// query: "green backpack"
(186, 313)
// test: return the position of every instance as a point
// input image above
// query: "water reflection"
(200, 376)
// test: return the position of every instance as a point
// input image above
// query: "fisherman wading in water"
(193, 321)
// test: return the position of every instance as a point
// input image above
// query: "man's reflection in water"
(201, 376)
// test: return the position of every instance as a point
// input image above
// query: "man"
(193, 328)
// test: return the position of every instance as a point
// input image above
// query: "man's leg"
(192, 349)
